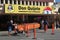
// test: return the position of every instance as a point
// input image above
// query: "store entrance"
(20, 19)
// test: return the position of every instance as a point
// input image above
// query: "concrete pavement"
(40, 35)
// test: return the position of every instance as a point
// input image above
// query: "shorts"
(10, 29)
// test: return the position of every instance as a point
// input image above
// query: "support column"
(12, 1)
(23, 18)
(45, 3)
(8, 2)
(31, 2)
(35, 3)
(18, 17)
(28, 2)
(27, 18)
(39, 3)
(21, 2)
(24, 2)
(17, 2)
(4, 1)
(11, 17)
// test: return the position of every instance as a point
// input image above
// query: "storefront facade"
(27, 11)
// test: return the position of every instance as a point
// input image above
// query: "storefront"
(27, 11)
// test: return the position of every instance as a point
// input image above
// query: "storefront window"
(43, 3)
(22, 2)
(10, 1)
(33, 2)
(6, 1)
(40, 4)
(18, 1)
(46, 3)
(29, 2)
(37, 3)
(1, 1)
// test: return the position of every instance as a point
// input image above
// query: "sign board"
(23, 9)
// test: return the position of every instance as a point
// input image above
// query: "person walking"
(9, 27)
(42, 23)
(15, 28)
(45, 25)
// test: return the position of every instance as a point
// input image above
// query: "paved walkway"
(40, 35)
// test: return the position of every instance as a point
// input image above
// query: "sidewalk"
(40, 35)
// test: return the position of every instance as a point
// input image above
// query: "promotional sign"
(23, 9)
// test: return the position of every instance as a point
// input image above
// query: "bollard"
(53, 29)
(46, 28)
(34, 32)
(27, 31)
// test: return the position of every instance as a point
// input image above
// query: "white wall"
(50, 3)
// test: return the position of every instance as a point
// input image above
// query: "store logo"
(10, 8)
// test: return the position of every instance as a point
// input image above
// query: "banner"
(23, 9)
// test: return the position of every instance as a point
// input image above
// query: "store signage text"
(28, 8)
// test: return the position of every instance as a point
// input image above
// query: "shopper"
(9, 28)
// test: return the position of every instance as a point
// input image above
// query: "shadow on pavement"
(3, 35)
(8, 35)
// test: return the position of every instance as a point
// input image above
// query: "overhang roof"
(41, 0)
